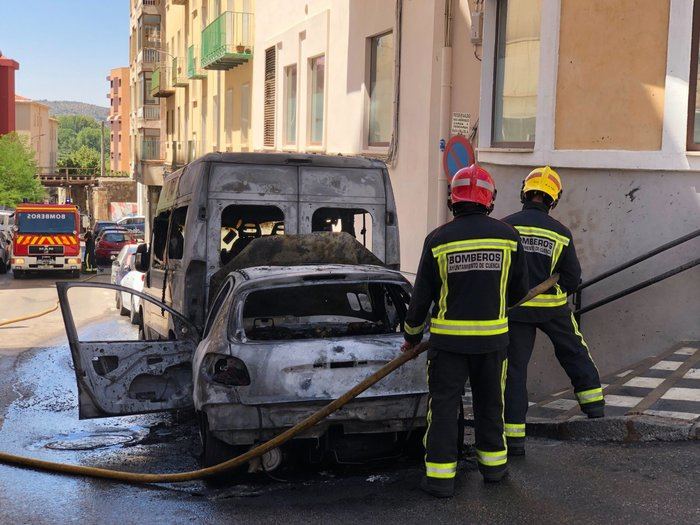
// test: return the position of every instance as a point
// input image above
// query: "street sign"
(460, 123)
(458, 154)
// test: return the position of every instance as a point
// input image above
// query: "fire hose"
(310, 421)
(38, 314)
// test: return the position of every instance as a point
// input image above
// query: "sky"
(65, 48)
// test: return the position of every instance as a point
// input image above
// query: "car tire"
(135, 315)
(17, 274)
(75, 274)
(214, 452)
(122, 310)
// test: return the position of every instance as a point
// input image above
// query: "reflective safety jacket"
(471, 270)
(549, 248)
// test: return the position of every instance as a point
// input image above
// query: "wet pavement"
(558, 482)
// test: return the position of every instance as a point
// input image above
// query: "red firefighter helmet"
(473, 184)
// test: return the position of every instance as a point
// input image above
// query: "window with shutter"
(269, 99)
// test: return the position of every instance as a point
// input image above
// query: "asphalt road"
(558, 482)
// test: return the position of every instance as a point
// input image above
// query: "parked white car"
(131, 304)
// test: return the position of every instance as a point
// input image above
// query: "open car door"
(123, 377)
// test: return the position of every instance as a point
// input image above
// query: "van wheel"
(135, 315)
(214, 452)
(122, 310)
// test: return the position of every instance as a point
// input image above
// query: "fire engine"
(46, 238)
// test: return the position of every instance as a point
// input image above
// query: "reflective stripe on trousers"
(441, 470)
(590, 396)
(515, 430)
(492, 459)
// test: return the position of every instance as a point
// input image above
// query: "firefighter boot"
(516, 446)
(594, 411)
(440, 488)
(494, 474)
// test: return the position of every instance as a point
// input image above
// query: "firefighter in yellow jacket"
(549, 249)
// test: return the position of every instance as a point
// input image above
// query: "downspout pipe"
(445, 107)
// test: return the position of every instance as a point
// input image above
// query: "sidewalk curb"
(625, 429)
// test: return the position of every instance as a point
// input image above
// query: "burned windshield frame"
(397, 292)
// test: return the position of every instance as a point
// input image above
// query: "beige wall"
(611, 74)
(119, 110)
(32, 121)
(205, 113)
(341, 30)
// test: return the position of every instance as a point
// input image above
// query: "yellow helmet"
(543, 179)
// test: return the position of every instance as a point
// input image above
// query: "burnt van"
(211, 209)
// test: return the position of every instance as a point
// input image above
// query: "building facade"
(204, 81)
(32, 121)
(378, 79)
(146, 123)
(605, 92)
(119, 112)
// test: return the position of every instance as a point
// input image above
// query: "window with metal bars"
(269, 99)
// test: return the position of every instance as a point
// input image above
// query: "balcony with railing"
(149, 112)
(150, 149)
(194, 69)
(160, 82)
(181, 152)
(228, 41)
(178, 72)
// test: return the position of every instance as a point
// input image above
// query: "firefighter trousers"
(572, 353)
(447, 374)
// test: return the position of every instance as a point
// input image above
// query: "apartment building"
(146, 123)
(119, 112)
(607, 93)
(32, 121)
(204, 79)
(378, 79)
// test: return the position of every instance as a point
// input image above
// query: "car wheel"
(17, 274)
(214, 452)
(122, 310)
(75, 274)
(134, 314)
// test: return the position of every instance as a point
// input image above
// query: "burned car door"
(131, 376)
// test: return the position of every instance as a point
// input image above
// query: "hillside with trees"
(69, 107)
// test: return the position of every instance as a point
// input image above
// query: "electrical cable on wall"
(394, 143)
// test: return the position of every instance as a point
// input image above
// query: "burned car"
(279, 342)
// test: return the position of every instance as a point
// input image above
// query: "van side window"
(355, 221)
(160, 236)
(176, 241)
(240, 224)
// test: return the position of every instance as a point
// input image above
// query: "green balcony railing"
(159, 82)
(177, 72)
(193, 66)
(228, 41)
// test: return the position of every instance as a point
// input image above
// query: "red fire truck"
(46, 238)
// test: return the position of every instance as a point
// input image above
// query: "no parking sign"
(458, 154)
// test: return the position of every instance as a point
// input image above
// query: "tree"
(85, 158)
(77, 122)
(90, 137)
(19, 177)
(66, 143)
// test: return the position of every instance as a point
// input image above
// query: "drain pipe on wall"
(445, 106)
